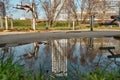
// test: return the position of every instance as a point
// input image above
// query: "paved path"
(15, 38)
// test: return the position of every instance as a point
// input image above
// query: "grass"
(25, 25)
(10, 70)
(100, 74)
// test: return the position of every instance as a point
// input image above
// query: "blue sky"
(17, 13)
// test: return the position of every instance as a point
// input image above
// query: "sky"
(17, 13)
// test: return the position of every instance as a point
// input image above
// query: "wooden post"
(11, 23)
(119, 10)
(91, 22)
(73, 24)
(91, 45)
(119, 14)
(33, 24)
(1, 22)
(46, 25)
(6, 22)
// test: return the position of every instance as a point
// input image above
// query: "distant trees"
(88, 7)
(54, 9)
(102, 9)
(92, 7)
(67, 9)
(71, 11)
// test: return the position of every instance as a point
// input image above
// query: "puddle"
(65, 56)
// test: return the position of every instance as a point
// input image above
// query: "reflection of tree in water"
(31, 56)
(7, 55)
(34, 53)
(59, 57)
(94, 56)
(91, 50)
(7, 51)
(47, 48)
(117, 47)
(70, 51)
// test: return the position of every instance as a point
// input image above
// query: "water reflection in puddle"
(65, 56)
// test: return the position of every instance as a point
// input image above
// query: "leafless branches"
(52, 9)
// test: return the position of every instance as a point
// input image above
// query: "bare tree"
(8, 7)
(102, 9)
(91, 7)
(88, 7)
(52, 9)
(2, 11)
(71, 11)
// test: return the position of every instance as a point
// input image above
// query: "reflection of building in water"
(59, 57)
